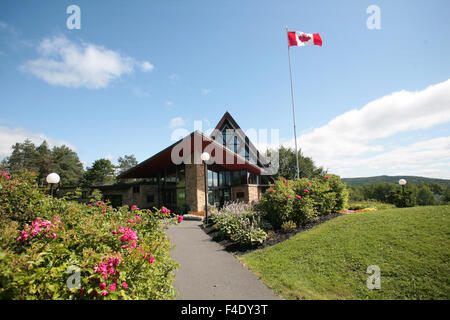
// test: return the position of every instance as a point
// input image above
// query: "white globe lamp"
(52, 179)
(205, 156)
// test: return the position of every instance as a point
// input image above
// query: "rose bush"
(116, 253)
(302, 201)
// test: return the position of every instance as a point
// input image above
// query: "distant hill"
(394, 179)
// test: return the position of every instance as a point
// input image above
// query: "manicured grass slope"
(411, 246)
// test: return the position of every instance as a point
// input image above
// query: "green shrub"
(303, 200)
(265, 225)
(44, 239)
(288, 226)
(236, 223)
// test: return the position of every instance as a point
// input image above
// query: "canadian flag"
(300, 39)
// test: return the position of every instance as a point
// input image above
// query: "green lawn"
(411, 246)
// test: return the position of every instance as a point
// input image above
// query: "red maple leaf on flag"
(303, 37)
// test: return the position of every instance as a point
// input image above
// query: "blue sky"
(138, 70)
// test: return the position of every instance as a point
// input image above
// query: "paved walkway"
(207, 271)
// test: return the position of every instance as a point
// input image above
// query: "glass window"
(227, 178)
(181, 197)
(211, 197)
(171, 176)
(215, 179)
(236, 178)
(181, 176)
(210, 178)
(243, 177)
(221, 178)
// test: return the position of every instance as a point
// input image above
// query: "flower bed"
(59, 249)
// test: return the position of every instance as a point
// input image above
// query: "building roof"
(196, 143)
(251, 148)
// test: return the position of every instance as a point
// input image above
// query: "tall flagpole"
(293, 105)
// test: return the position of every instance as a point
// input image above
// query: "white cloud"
(177, 122)
(168, 103)
(9, 137)
(65, 63)
(13, 37)
(344, 143)
(146, 66)
(140, 93)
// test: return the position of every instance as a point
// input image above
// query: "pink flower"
(104, 293)
(298, 197)
(284, 180)
(165, 210)
(104, 211)
(327, 177)
(112, 288)
(102, 286)
(271, 190)
(150, 258)
(124, 284)
(5, 174)
(306, 190)
(180, 218)
(90, 205)
(309, 183)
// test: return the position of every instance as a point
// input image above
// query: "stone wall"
(139, 199)
(195, 187)
(246, 193)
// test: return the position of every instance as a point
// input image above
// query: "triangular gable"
(250, 152)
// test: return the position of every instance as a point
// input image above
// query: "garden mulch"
(273, 237)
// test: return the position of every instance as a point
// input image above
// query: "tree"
(44, 162)
(23, 156)
(402, 198)
(126, 162)
(67, 164)
(425, 197)
(101, 173)
(288, 166)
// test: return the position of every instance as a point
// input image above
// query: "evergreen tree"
(425, 197)
(288, 166)
(67, 164)
(126, 162)
(44, 162)
(101, 173)
(23, 156)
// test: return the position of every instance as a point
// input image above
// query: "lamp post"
(205, 157)
(52, 178)
(402, 182)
